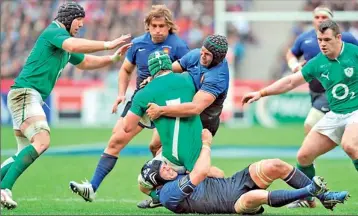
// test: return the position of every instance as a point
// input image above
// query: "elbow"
(203, 173)
(215, 172)
(196, 110)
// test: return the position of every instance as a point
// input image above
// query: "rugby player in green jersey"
(336, 67)
(181, 137)
(54, 48)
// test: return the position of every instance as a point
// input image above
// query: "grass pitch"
(44, 188)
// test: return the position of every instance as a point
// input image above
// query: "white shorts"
(24, 103)
(313, 117)
(333, 125)
(178, 169)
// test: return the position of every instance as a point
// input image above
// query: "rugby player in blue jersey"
(306, 45)
(210, 72)
(160, 35)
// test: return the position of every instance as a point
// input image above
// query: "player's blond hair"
(159, 11)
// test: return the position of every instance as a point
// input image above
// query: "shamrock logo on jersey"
(349, 72)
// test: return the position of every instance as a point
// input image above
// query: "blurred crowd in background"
(23, 20)
(335, 5)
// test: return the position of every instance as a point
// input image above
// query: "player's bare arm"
(130, 122)
(201, 101)
(177, 67)
(293, 62)
(124, 76)
(203, 164)
(93, 62)
(80, 45)
(281, 86)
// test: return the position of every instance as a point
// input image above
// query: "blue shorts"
(319, 101)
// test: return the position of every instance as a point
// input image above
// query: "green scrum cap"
(158, 61)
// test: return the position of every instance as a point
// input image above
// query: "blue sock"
(104, 166)
(279, 198)
(298, 179)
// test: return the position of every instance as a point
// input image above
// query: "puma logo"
(325, 75)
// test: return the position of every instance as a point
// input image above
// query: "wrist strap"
(106, 45)
(207, 147)
(115, 58)
(263, 93)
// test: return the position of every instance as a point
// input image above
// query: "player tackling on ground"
(336, 67)
(243, 193)
(54, 48)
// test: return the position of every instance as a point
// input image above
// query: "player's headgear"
(218, 46)
(158, 61)
(323, 10)
(150, 176)
(68, 12)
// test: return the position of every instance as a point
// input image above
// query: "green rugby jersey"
(46, 61)
(338, 76)
(180, 137)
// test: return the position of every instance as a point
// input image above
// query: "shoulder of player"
(54, 28)
(221, 71)
(194, 53)
(179, 42)
(316, 61)
(350, 46)
(346, 35)
(305, 35)
(140, 39)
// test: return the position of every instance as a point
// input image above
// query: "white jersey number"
(346, 92)
(176, 129)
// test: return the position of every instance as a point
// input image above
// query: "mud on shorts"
(144, 122)
(333, 124)
(24, 103)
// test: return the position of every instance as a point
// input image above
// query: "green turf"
(43, 189)
(283, 136)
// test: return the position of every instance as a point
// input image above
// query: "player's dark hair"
(159, 11)
(68, 12)
(329, 24)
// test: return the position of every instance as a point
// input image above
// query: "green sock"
(6, 165)
(355, 162)
(309, 171)
(154, 195)
(23, 160)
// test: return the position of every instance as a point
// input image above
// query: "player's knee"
(304, 157)
(41, 141)
(275, 166)
(154, 148)
(350, 149)
(116, 143)
(246, 204)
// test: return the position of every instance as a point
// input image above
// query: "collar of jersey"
(58, 25)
